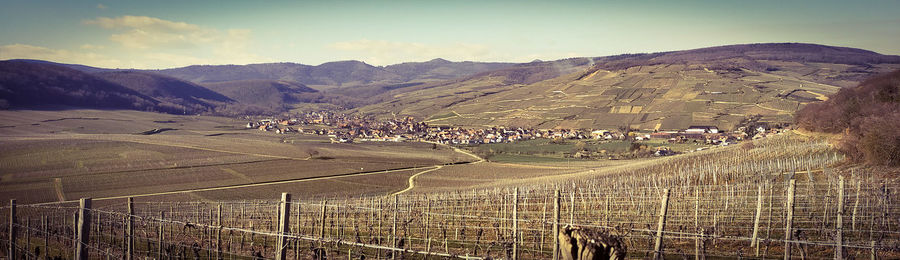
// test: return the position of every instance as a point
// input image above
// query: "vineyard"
(782, 197)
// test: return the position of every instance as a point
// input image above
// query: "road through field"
(411, 180)
(226, 187)
(412, 183)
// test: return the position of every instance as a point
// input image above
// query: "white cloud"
(141, 22)
(92, 47)
(142, 32)
(101, 7)
(149, 42)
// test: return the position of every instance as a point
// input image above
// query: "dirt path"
(58, 182)
(57, 186)
(412, 183)
(237, 186)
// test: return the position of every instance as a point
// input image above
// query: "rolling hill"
(28, 84)
(31, 85)
(334, 74)
(171, 92)
(719, 86)
(866, 116)
(271, 95)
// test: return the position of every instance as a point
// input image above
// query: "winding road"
(411, 181)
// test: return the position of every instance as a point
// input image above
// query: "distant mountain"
(337, 74)
(722, 86)
(171, 92)
(271, 94)
(77, 67)
(441, 69)
(35, 85)
(334, 74)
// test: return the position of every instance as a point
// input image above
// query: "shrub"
(868, 116)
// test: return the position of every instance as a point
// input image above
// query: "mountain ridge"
(724, 84)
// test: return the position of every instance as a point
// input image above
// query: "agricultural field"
(59, 156)
(787, 195)
(559, 151)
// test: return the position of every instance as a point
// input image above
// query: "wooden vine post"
(12, 229)
(45, 223)
(661, 225)
(556, 225)
(159, 241)
(283, 223)
(755, 240)
(129, 230)
(394, 227)
(322, 228)
(515, 224)
(84, 229)
(788, 231)
(839, 237)
(219, 232)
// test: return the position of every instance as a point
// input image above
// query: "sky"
(165, 34)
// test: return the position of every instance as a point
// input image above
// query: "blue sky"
(164, 34)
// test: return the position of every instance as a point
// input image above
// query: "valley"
(471, 160)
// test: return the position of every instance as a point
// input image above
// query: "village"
(343, 128)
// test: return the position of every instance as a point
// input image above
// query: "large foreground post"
(663, 208)
(283, 222)
(755, 240)
(84, 229)
(515, 215)
(556, 226)
(129, 230)
(839, 238)
(12, 229)
(790, 218)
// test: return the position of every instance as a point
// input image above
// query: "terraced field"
(661, 96)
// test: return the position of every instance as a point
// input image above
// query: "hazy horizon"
(156, 35)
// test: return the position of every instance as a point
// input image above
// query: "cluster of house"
(349, 128)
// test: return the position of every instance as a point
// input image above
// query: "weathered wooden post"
(75, 235)
(283, 223)
(755, 240)
(874, 251)
(84, 229)
(855, 206)
(839, 238)
(12, 229)
(219, 232)
(515, 224)
(45, 224)
(427, 219)
(661, 225)
(322, 228)
(394, 227)
(129, 230)
(572, 207)
(299, 230)
(556, 226)
(159, 243)
(697, 255)
(27, 237)
(788, 231)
